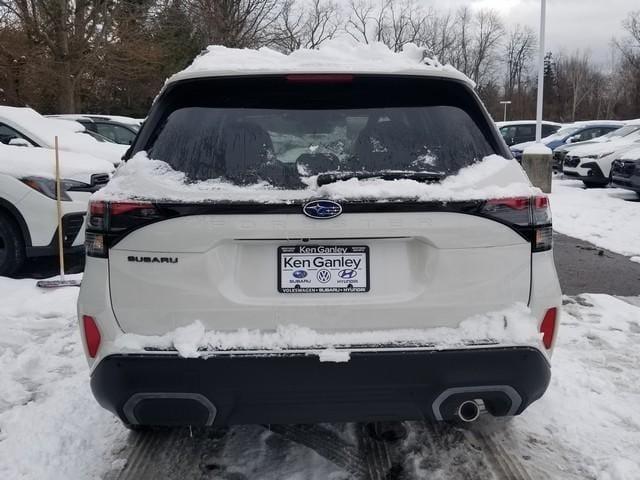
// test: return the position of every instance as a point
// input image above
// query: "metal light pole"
(543, 13)
(505, 103)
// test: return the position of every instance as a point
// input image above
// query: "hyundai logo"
(347, 274)
(300, 273)
(322, 209)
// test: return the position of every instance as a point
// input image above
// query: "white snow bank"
(142, 178)
(587, 424)
(511, 326)
(50, 425)
(23, 162)
(335, 56)
(602, 216)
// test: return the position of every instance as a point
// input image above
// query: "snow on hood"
(512, 326)
(602, 147)
(334, 56)
(23, 162)
(144, 179)
(632, 154)
(43, 130)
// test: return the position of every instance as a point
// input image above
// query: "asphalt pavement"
(585, 268)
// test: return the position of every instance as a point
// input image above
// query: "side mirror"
(574, 139)
(19, 142)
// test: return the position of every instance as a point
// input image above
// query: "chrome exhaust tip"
(468, 411)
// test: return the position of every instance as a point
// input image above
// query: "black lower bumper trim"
(164, 389)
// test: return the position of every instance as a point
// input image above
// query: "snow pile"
(142, 178)
(587, 424)
(23, 162)
(537, 149)
(602, 216)
(50, 425)
(513, 326)
(334, 56)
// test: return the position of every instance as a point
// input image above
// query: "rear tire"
(12, 248)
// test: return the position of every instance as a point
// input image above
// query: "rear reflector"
(91, 335)
(548, 327)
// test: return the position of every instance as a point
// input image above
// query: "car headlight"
(47, 186)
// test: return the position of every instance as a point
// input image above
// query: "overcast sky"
(571, 24)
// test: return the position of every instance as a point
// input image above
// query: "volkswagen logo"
(300, 274)
(347, 274)
(322, 209)
(323, 276)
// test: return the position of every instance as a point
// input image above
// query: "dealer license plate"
(323, 269)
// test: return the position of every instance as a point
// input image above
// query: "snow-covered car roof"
(598, 123)
(526, 122)
(631, 154)
(92, 116)
(335, 56)
(43, 131)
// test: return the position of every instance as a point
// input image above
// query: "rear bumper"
(164, 389)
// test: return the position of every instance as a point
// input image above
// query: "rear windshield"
(283, 131)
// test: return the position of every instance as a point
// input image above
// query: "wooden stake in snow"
(62, 282)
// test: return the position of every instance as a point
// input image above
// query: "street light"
(505, 103)
(543, 12)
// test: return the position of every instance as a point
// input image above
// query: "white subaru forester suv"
(332, 235)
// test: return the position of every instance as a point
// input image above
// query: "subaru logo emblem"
(300, 274)
(347, 274)
(322, 209)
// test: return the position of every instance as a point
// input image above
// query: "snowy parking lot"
(586, 426)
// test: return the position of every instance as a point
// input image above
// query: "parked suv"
(591, 163)
(516, 132)
(117, 129)
(28, 211)
(312, 238)
(625, 172)
(570, 135)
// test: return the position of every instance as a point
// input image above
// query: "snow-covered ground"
(606, 217)
(586, 426)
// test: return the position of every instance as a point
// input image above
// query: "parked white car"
(28, 215)
(21, 126)
(591, 163)
(316, 237)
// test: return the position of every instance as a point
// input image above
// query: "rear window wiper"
(426, 177)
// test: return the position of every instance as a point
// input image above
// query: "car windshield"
(622, 132)
(562, 134)
(294, 131)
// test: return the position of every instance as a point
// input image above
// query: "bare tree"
(306, 27)
(519, 50)
(235, 23)
(70, 31)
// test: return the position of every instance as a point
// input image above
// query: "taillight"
(548, 327)
(108, 219)
(532, 214)
(91, 335)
